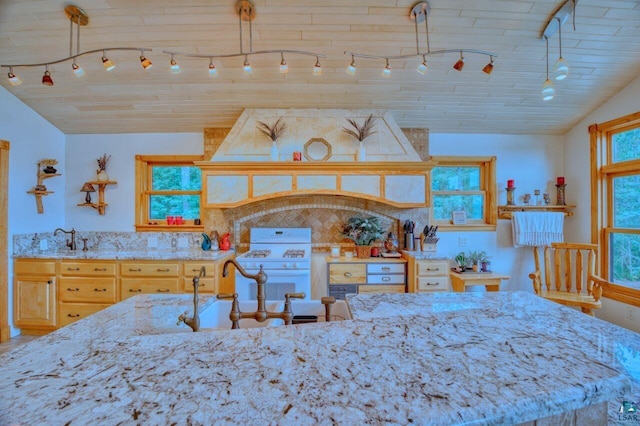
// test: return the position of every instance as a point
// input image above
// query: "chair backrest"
(567, 267)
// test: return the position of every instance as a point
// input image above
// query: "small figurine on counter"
(225, 244)
(215, 246)
(206, 242)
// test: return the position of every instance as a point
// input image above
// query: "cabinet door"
(96, 289)
(34, 301)
(434, 283)
(88, 268)
(380, 288)
(149, 269)
(72, 312)
(134, 286)
(347, 273)
(192, 269)
(433, 267)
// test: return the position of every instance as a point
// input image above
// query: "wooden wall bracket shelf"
(504, 212)
(38, 193)
(100, 205)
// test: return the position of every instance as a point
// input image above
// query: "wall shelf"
(100, 205)
(504, 212)
(41, 193)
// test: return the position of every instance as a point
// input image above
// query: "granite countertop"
(446, 358)
(424, 255)
(127, 255)
(345, 259)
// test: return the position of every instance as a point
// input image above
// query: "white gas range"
(285, 255)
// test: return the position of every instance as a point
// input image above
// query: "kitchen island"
(446, 358)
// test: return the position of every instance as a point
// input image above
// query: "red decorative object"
(560, 180)
(225, 244)
(297, 156)
(510, 183)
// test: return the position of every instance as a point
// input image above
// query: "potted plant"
(477, 258)
(274, 131)
(102, 167)
(363, 231)
(461, 261)
(361, 133)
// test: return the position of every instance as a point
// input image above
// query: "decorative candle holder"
(527, 199)
(510, 196)
(560, 200)
(536, 193)
(547, 199)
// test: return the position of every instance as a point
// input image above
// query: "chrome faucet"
(193, 322)
(71, 244)
(261, 314)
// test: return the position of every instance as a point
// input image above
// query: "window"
(464, 184)
(616, 222)
(167, 186)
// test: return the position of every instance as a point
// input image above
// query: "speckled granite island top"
(451, 358)
(127, 255)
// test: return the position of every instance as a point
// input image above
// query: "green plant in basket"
(363, 231)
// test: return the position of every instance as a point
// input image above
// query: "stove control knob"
(285, 265)
(295, 265)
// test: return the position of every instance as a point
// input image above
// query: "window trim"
(487, 186)
(143, 185)
(602, 175)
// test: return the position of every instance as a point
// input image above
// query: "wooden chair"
(571, 279)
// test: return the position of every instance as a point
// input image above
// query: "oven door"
(279, 282)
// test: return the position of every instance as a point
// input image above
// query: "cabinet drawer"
(385, 268)
(433, 284)
(133, 286)
(381, 289)
(97, 289)
(29, 266)
(207, 285)
(72, 312)
(87, 268)
(433, 268)
(385, 279)
(347, 273)
(140, 269)
(339, 291)
(192, 269)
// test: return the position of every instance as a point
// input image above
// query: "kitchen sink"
(216, 316)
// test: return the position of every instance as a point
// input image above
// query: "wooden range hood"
(233, 184)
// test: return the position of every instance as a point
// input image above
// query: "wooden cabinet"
(142, 276)
(364, 276)
(192, 269)
(85, 287)
(427, 275)
(34, 296)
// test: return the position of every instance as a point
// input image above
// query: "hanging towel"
(537, 228)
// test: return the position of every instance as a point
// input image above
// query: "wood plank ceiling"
(603, 54)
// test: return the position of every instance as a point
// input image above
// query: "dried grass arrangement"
(48, 162)
(103, 161)
(361, 131)
(274, 131)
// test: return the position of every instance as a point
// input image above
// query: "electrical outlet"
(152, 242)
(44, 245)
(462, 241)
(183, 242)
(631, 313)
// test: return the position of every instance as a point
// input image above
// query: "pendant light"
(46, 78)
(561, 69)
(548, 92)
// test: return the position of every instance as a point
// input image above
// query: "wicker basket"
(363, 252)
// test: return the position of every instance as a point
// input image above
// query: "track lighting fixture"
(14, 80)
(460, 64)
(284, 68)
(80, 18)
(46, 78)
(561, 69)
(351, 69)
(175, 67)
(213, 72)
(246, 12)
(418, 14)
(488, 69)
(548, 92)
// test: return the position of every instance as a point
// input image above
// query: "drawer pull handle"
(73, 289)
(100, 269)
(386, 279)
(193, 270)
(134, 270)
(432, 283)
(49, 282)
(73, 315)
(73, 269)
(433, 269)
(162, 270)
(347, 274)
(137, 290)
(163, 290)
(386, 269)
(100, 289)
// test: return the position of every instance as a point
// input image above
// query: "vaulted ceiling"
(603, 54)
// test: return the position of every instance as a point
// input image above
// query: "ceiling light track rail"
(58, 61)
(419, 13)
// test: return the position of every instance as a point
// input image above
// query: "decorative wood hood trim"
(233, 184)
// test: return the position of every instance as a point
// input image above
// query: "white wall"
(577, 167)
(82, 152)
(32, 138)
(533, 162)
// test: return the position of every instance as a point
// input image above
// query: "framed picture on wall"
(459, 217)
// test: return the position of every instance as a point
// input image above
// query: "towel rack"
(504, 212)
